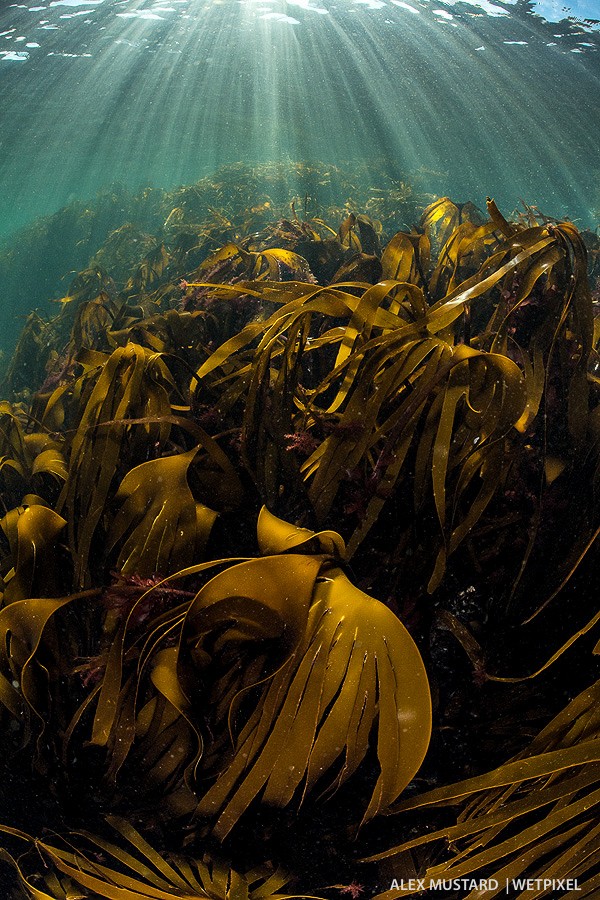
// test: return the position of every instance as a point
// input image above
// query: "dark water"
(480, 98)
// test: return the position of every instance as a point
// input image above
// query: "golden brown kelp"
(35, 348)
(120, 392)
(116, 230)
(132, 869)
(534, 817)
(32, 471)
(435, 390)
(280, 654)
(283, 658)
(424, 406)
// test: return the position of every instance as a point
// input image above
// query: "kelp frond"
(535, 816)
(132, 869)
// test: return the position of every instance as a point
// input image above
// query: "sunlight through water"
(488, 96)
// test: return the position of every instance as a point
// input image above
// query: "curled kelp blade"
(159, 526)
(247, 601)
(277, 536)
(24, 638)
(355, 681)
(33, 532)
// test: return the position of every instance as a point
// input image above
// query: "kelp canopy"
(117, 228)
(269, 498)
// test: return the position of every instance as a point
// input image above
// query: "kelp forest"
(298, 549)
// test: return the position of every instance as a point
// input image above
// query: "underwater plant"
(412, 419)
(535, 815)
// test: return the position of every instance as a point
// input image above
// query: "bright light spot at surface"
(485, 5)
(73, 3)
(13, 56)
(405, 6)
(305, 4)
(371, 4)
(139, 14)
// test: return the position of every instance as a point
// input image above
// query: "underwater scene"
(299, 449)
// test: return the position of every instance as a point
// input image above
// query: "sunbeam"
(164, 92)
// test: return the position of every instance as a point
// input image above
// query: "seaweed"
(409, 425)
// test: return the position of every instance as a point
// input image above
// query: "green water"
(469, 99)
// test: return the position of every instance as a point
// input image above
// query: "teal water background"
(488, 97)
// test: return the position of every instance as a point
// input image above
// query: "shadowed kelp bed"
(298, 558)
